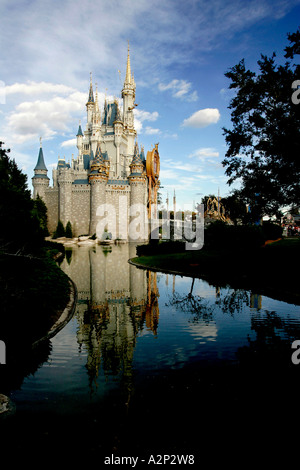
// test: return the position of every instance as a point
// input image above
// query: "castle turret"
(79, 136)
(138, 229)
(40, 180)
(65, 179)
(97, 178)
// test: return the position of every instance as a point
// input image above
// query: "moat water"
(153, 363)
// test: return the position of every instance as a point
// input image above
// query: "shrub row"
(219, 236)
(222, 236)
(156, 247)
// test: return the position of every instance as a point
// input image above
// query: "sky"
(179, 54)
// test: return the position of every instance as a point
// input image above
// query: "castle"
(110, 184)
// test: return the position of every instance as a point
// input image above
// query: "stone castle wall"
(78, 197)
(119, 198)
(80, 219)
(51, 201)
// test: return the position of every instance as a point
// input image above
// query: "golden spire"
(128, 68)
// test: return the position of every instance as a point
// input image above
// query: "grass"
(269, 269)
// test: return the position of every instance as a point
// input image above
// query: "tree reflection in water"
(194, 304)
(228, 300)
(233, 300)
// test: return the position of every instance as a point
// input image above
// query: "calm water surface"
(155, 363)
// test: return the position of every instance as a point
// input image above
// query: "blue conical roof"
(79, 131)
(41, 163)
(91, 93)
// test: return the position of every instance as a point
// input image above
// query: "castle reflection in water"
(116, 301)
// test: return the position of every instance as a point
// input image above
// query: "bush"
(271, 231)
(160, 248)
(60, 231)
(219, 235)
(69, 232)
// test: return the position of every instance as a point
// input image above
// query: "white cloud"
(204, 153)
(38, 44)
(24, 160)
(37, 88)
(140, 116)
(168, 175)
(170, 135)
(69, 143)
(138, 126)
(46, 118)
(202, 118)
(180, 89)
(151, 131)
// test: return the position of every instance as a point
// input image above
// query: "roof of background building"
(62, 164)
(110, 114)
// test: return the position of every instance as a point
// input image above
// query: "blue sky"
(179, 53)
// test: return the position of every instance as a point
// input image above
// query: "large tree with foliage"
(264, 143)
(39, 211)
(20, 227)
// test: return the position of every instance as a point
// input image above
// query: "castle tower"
(128, 95)
(98, 177)
(138, 229)
(40, 180)
(79, 137)
(96, 124)
(65, 179)
(118, 129)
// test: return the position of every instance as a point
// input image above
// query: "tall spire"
(91, 93)
(128, 69)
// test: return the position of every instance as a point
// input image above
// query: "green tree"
(19, 228)
(264, 143)
(69, 232)
(60, 230)
(39, 211)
